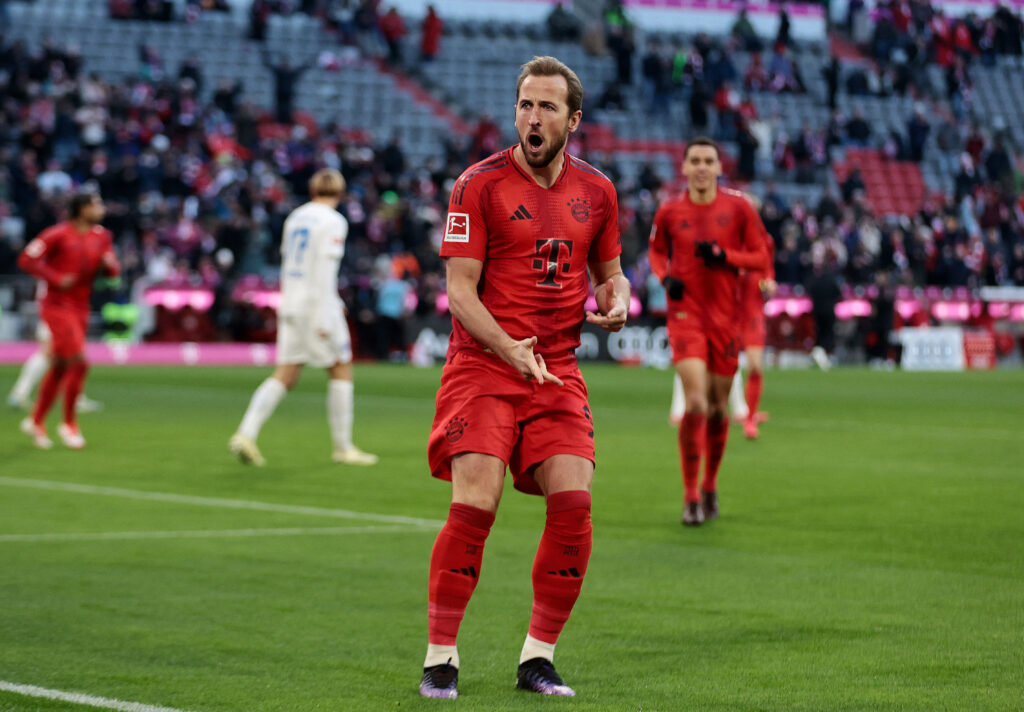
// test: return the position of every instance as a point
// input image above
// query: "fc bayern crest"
(722, 220)
(455, 429)
(580, 208)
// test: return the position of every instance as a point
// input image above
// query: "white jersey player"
(311, 326)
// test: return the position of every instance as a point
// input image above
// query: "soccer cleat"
(709, 505)
(440, 681)
(693, 515)
(750, 429)
(820, 358)
(71, 436)
(354, 456)
(87, 405)
(15, 401)
(246, 451)
(539, 675)
(37, 433)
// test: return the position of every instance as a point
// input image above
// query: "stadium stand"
(219, 124)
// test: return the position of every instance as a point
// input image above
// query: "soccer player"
(755, 287)
(67, 257)
(523, 228)
(311, 326)
(699, 242)
(33, 370)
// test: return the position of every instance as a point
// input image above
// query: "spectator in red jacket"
(392, 26)
(430, 42)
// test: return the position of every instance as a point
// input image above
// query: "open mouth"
(534, 141)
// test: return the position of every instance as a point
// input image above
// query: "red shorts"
(484, 406)
(67, 328)
(718, 348)
(754, 330)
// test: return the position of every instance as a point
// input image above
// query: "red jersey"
(61, 250)
(711, 294)
(535, 244)
(750, 282)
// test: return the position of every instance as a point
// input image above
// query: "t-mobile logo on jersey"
(551, 259)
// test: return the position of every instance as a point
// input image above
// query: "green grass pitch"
(870, 553)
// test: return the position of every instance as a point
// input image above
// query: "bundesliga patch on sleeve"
(457, 229)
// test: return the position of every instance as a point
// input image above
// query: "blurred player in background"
(67, 257)
(311, 326)
(523, 228)
(35, 368)
(699, 242)
(755, 288)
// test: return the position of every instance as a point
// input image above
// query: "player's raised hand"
(612, 312)
(529, 364)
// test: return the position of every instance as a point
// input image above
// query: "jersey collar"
(561, 176)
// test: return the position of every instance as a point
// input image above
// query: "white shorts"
(299, 343)
(43, 334)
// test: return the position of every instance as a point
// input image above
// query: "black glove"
(710, 252)
(673, 287)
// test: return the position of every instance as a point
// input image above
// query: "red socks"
(558, 569)
(72, 387)
(691, 447)
(561, 563)
(755, 382)
(717, 434)
(455, 569)
(48, 391)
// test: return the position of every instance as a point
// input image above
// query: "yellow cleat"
(354, 456)
(245, 449)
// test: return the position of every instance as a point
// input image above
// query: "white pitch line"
(82, 699)
(204, 534)
(217, 502)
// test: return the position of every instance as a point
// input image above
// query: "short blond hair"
(326, 183)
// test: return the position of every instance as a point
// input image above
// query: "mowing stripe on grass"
(81, 699)
(206, 534)
(901, 429)
(217, 502)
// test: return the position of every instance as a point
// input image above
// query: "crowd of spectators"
(197, 191)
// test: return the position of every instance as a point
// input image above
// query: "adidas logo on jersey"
(521, 213)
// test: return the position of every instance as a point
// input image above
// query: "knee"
(698, 404)
(480, 499)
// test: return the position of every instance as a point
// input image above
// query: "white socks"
(441, 654)
(31, 373)
(678, 407)
(339, 415)
(534, 648)
(737, 399)
(261, 407)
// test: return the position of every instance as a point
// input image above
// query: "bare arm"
(463, 275)
(611, 290)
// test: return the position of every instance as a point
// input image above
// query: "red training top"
(711, 294)
(61, 250)
(750, 282)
